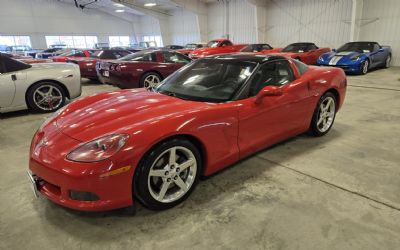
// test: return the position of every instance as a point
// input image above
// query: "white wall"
(234, 18)
(381, 22)
(325, 22)
(38, 18)
(183, 27)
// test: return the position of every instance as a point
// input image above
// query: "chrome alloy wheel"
(47, 97)
(326, 114)
(388, 60)
(151, 81)
(172, 174)
(365, 67)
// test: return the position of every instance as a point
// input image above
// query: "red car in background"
(142, 69)
(218, 46)
(88, 65)
(307, 53)
(259, 48)
(114, 149)
(190, 47)
(73, 53)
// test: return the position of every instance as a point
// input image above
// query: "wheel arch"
(152, 71)
(336, 93)
(52, 81)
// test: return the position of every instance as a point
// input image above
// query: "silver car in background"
(42, 87)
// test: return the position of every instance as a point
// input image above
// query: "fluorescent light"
(119, 5)
(150, 4)
(119, 11)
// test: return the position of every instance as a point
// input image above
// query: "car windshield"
(139, 56)
(296, 47)
(190, 46)
(97, 54)
(363, 47)
(208, 80)
(256, 48)
(212, 44)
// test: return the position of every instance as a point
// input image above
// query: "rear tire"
(45, 97)
(324, 115)
(150, 80)
(168, 174)
(388, 61)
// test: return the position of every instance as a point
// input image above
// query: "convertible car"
(142, 69)
(107, 151)
(308, 53)
(358, 57)
(88, 65)
(74, 53)
(42, 87)
(214, 47)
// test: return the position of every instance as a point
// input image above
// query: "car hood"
(125, 111)
(344, 55)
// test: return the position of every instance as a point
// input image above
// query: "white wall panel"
(381, 22)
(325, 22)
(38, 18)
(183, 27)
(234, 18)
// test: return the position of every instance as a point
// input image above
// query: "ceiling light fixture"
(150, 4)
(119, 11)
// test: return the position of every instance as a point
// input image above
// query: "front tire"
(168, 174)
(324, 115)
(45, 97)
(365, 67)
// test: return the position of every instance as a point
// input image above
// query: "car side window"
(300, 66)
(276, 73)
(172, 57)
(312, 46)
(376, 47)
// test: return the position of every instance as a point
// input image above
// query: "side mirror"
(333, 50)
(268, 91)
(381, 50)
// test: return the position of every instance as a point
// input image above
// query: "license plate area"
(106, 73)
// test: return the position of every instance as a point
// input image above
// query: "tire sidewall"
(390, 60)
(314, 126)
(31, 104)
(140, 186)
(362, 67)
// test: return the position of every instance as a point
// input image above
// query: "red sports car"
(88, 65)
(142, 69)
(218, 46)
(259, 48)
(73, 53)
(190, 47)
(308, 53)
(109, 150)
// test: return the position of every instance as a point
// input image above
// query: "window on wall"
(116, 41)
(156, 39)
(72, 41)
(15, 40)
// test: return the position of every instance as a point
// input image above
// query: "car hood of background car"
(123, 111)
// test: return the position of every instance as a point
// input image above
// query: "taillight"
(118, 68)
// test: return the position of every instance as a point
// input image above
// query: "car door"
(274, 118)
(172, 62)
(377, 56)
(7, 87)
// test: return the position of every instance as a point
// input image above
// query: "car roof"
(257, 58)
(302, 43)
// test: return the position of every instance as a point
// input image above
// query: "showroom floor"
(340, 191)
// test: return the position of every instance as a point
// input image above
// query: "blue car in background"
(358, 57)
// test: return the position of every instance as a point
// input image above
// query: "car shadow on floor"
(220, 186)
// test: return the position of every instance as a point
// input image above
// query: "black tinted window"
(140, 56)
(275, 73)
(172, 57)
(11, 65)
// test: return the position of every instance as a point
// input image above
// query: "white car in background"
(42, 87)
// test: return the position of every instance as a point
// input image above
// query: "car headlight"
(99, 149)
(355, 58)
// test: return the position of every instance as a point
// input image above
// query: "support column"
(260, 9)
(356, 16)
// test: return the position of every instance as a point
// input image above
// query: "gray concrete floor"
(341, 191)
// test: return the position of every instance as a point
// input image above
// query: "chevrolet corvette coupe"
(358, 57)
(142, 69)
(308, 53)
(215, 47)
(259, 47)
(190, 47)
(109, 150)
(78, 53)
(87, 65)
(42, 87)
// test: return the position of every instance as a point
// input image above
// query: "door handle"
(13, 77)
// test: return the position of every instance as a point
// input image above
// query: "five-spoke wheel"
(168, 174)
(324, 115)
(46, 97)
(150, 80)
